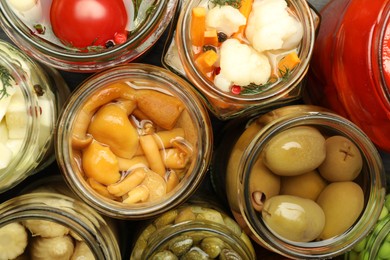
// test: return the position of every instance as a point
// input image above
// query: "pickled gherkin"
(193, 231)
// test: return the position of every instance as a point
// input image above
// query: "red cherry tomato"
(83, 23)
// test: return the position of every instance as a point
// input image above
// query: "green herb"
(285, 74)
(137, 4)
(233, 3)
(253, 88)
(6, 79)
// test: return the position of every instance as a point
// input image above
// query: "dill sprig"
(233, 3)
(137, 4)
(253, 89)
(6, 79)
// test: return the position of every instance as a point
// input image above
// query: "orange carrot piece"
(211, 37)
(287, 63)
(245, 10)
(198, 26)
(205, 61)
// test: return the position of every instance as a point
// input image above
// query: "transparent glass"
(30, 104)
(47, 211)
(376, 244)
(52, 53)
(193, 230)
(248, 141)
(179, 58)
(195, 150)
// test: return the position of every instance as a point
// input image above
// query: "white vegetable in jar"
(226, 19)
(241, 65)
(271, 27)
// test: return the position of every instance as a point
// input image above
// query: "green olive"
(342, 203)
(295, 151)
(308, 185)
(262, 180)
(294, 218)
(343, 160)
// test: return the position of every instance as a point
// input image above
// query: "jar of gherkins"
(301, 180)
(193, 231)
(45, 221)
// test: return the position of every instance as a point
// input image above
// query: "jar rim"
(376, 186)
(183, 228)
(61, 58)
(30, 206)
(24, 71)
(273, 93)
(176, 86)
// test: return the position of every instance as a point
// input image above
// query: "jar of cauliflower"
(31, 97)
(301, 180)
(47, 222)
(134, 141)
(243, 56)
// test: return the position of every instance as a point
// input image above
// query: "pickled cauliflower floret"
(241, 65)
(226, 19)
(270, 26)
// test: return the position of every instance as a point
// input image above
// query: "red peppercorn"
(120, 38)
(236, 90)
(217, 70)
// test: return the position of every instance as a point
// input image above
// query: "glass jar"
(255, 186)
(241, 99)
(154, 161)
(31, 30)
(193, 231)
(30, 100)
(45, 220)
(349, 72)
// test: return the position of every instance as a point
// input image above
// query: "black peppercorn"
(222, 37)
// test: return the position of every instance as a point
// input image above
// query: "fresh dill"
(233, 3)
(253, 89)
(6, 79)
(137, 4)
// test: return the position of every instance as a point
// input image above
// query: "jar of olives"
(227, 51)
(107, 33)
(31, 97)
(193, 231)
(46, 222)
(134, 141)
(301, 180)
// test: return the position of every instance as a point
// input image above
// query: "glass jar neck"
(160, 240)
(20, 75)
(321, 249)
(67, 212)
